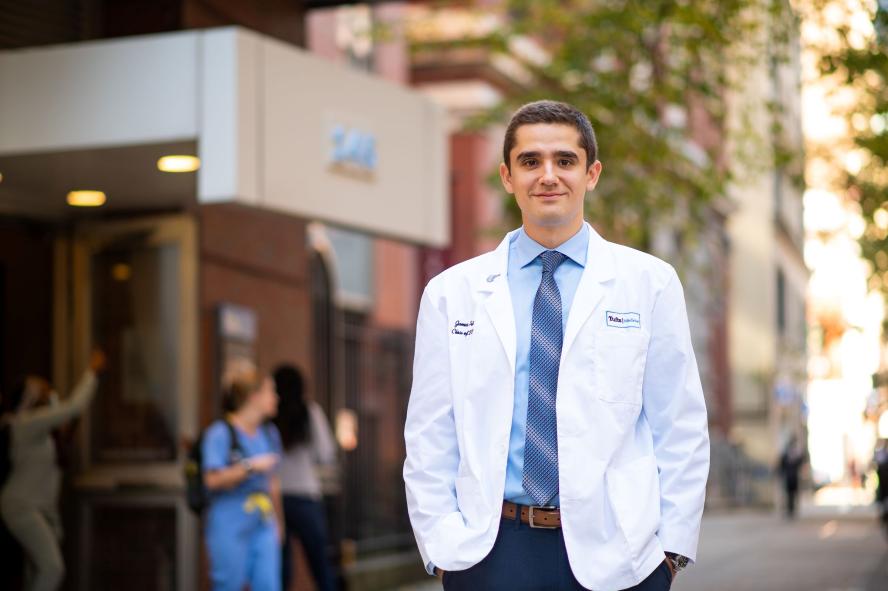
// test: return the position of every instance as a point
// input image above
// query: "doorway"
(133, 293)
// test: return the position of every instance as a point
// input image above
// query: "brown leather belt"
(541, 517)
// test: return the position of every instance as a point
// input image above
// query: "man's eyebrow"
(526, 155)
(566, 154)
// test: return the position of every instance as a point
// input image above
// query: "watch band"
(678, 561)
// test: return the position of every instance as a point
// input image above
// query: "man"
(791, 460)
(556, 432)
(880, 462)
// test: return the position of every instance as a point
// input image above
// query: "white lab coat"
(633, 444)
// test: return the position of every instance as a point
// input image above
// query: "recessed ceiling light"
(178, 163)
(121, 272)
(86, 198)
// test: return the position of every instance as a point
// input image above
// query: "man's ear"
(593, 174)
(506, 177)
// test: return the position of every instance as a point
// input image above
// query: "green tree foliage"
(651, 75)
(865, 68)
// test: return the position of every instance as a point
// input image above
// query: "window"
(135, 318)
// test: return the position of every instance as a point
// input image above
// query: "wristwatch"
(678, 561)
(247, 465)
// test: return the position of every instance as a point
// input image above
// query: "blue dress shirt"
(524, 274)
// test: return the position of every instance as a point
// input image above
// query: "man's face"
(549, 175)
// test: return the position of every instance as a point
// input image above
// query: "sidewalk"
(839, 501)
(830, 546)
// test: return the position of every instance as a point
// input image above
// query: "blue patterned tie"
(541, 440)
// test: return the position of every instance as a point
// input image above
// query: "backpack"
(196, 494)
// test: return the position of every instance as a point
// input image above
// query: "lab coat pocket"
(619, 357)
(470, 501)
(634, 493)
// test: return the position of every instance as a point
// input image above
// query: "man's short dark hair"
(552, 112)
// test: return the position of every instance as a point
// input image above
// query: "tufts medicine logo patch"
(623, 319)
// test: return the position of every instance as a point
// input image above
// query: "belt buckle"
(530, 510)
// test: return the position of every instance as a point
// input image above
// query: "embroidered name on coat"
(463, 327)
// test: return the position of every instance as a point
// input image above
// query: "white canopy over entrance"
(274, 128)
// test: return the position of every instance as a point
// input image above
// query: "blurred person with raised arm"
(30, 497)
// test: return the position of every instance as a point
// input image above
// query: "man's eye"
(565, 162)
(530, 162)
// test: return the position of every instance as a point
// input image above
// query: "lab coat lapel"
(493, 280)
(599, 269)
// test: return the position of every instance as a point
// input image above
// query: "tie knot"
(551, 259)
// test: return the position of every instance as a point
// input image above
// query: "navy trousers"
(306, 520)
(528, 559)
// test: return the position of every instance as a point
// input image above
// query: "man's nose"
(549, 177)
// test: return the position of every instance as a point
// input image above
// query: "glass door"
(134, 295)
(136, 287)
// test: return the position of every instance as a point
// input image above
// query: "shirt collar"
(526, 249)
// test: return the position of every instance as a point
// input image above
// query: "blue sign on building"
(353, 149)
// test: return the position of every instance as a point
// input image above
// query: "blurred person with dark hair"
(880, 461)
(29, 500)
(243, 520)
(308, 442)
(791, 461)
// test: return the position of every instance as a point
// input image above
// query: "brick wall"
(255, 259)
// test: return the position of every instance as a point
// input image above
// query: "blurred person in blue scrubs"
(308, 443)
(243, 521)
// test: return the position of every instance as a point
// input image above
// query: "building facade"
(768, 275)
(298, 239)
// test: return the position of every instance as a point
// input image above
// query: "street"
(762, 552)
(756, 551)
